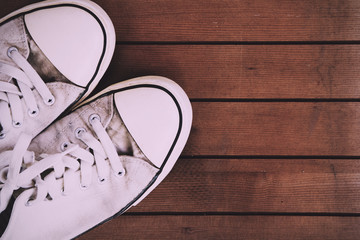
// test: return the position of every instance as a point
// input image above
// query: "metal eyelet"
(101, 180)
(79, 131)
(94, 117)
(4, 174)
(11, 50)
(121, 173)
(16, 124)
(33, 113)
(49, 101)
(64, 146)
(2, 135)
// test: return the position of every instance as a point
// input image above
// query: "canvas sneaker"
(94, 163)
(52, 55)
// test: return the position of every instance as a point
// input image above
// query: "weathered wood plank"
(259, 20)
(238, 71)
(275, 128)
(8, 7)
(229, 70)
(258, 185)
(228, 227)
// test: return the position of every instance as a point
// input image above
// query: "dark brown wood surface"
(228, 20)
(230, 71)
(291, 186)
(275, 128)
(216, 227)
(275, 89)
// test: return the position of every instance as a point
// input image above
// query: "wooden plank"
(249, 20)
(258, 185)
(238, 71)
(228, 227)
(275, 128)
(8, 7)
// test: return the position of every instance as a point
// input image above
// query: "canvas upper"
(94, 163)
(52, 55)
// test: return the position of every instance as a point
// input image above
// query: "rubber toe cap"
(153, 119)
(71, 38)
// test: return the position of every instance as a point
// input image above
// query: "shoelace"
(19, 169)
(26, 79)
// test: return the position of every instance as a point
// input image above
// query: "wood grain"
(258, 185)
(245, 71)
(250, 20)
(228, 227)
(10, 6)
(266, 159)
(275, 128)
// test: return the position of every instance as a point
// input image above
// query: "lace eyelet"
(83, 187)
(94, 117)
(2, 135)
(11, 50)
(79, 131)
(33, 113)
(16, 124)
(4, 174)
(101, 180)
(64, 146)
(49, 101)
(121, 173)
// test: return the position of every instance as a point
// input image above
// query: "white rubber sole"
(103, 18)
(186, 112)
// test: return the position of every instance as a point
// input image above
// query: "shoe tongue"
(63, 130)
(12, 34)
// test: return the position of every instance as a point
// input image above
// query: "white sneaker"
(52, 55)
(94, 163)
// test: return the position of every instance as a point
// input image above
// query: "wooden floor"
(274, 151)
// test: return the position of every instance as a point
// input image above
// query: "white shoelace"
(26, 79)
(19, 169)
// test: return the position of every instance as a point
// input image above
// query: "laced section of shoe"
(24, 79)
(20, 170)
